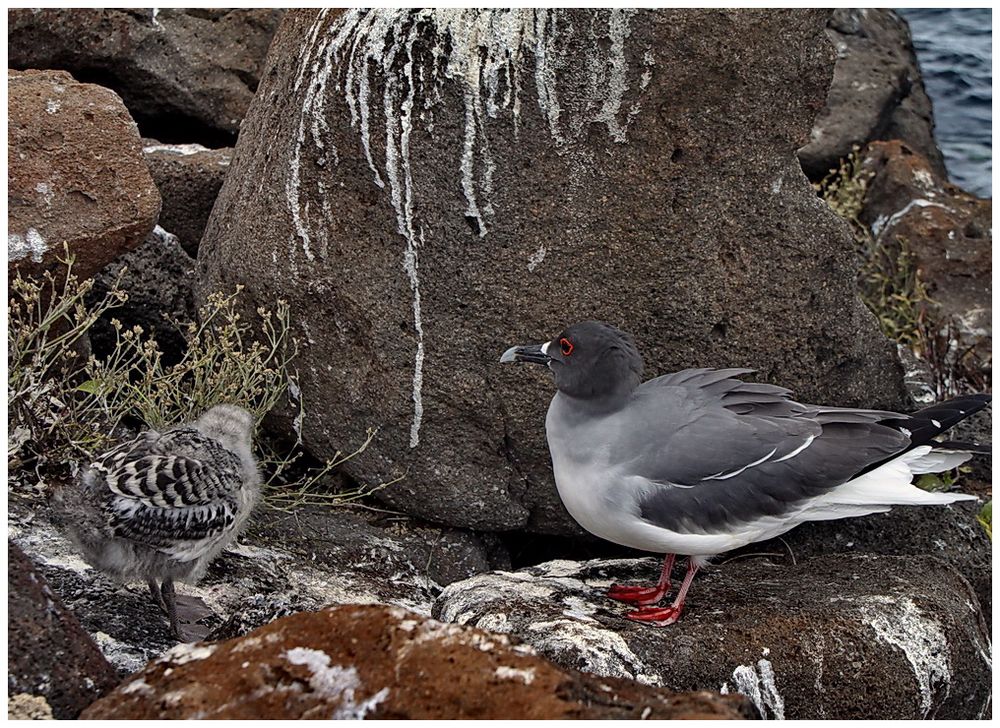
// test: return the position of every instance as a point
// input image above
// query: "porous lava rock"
(429, 187)
(383, 662)
(877, 92)
(189, 177)
(838, 636)
(53, 666)
(75, 175)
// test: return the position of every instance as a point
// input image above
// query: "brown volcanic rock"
(948, 230)
(75, 175)
(187, 72)
(640, 170)
(877, 92)
(49, 656)
(845, 637)
(384, 663)
(189, 177)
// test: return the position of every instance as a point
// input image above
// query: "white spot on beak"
(545, 348)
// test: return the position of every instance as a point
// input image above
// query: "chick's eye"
(566, 346)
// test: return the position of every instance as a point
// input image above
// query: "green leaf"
(934, 482)
(91, 386)
(985, 518)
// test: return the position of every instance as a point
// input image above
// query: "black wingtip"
(975, 448)
(926, 424)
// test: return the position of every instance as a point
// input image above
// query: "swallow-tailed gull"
(699, 462)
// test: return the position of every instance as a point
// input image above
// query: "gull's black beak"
(534, 353)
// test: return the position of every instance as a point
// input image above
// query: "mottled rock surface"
(189, 177)
(950, 534)
(381, 543)
(158, 278)
(382, 662)
(186, 74)
(22, 706)
(284, 563)
(877, 92)
(931, 228)
(53, 665)
(829, 637)
(628, 166)
(947, 230)
(75, 175)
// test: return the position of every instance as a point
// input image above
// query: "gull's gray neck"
(595, 406)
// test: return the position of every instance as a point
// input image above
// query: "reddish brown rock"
(75, 175)
(49, 656)
(184, 72)
(947, 230)
(385, 663)
(189, 177)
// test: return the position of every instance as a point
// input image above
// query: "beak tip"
(509, 356)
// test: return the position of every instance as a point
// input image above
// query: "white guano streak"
(480, 50)
(758, 684)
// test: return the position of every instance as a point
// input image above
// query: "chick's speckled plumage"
(164, 504)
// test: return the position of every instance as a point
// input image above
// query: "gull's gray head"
(589, 360)
(229, 424)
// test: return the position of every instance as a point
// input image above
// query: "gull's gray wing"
(721, 451)
(164, 490)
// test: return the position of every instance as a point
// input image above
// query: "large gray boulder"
(949, 534)
(426, 188)
(830, 637)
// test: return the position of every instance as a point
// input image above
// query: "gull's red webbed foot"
(643, 595)
(656, 616)
(662, 616)
(640, 595)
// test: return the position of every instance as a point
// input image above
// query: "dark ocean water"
(955, 48)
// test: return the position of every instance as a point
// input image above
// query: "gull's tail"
(890, 482)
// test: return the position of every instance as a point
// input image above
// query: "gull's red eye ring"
(565, 346)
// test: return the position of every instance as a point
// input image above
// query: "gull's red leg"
(643, 595)
(662, 616)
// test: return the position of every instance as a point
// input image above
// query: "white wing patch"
(725, 476)
(797, 450)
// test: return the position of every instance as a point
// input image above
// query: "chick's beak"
(533, 353)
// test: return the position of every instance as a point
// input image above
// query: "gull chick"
(699, 462)
(161, 507)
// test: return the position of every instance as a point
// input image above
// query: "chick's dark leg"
(642, 595)
(170, 600)
(154, 591)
